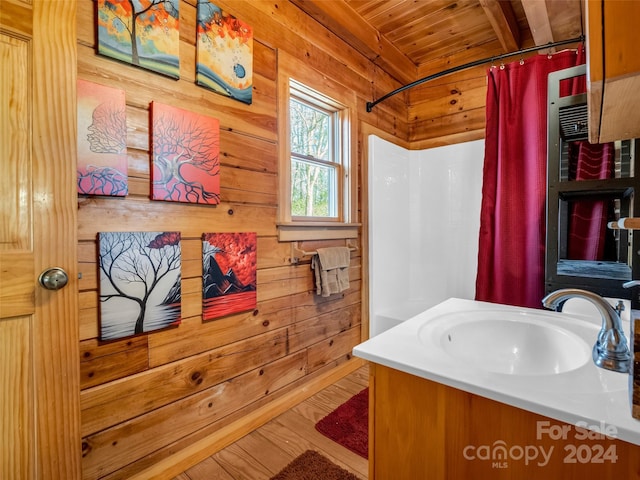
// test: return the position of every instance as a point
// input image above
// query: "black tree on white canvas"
(139, 282)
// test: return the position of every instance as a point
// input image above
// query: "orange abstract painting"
(224, 61)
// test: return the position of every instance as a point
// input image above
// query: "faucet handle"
(632, 283)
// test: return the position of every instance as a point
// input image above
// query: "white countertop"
(590, 395)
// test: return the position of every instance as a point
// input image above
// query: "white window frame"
(321, 92)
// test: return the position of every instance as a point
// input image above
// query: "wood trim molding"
(171, 466)
(448, 139)
(308, 231)
(290, 68)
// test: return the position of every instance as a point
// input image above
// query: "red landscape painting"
(229, 273)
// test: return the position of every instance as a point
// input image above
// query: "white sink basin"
(515, 343)
(533, 359)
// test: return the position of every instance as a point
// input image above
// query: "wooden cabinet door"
(614, 70)
(39, 360)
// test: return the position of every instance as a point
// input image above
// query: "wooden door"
(39, 360)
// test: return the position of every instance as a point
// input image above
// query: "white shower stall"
(424, 219)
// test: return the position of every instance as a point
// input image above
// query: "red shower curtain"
(512, 219)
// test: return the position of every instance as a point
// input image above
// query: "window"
(316, 155)
(316, 138)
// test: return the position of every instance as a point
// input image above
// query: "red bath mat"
(348, 424)
(311, 466)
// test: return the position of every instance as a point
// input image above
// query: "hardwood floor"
(267, 450)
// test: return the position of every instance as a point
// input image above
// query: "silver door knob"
(53, 278)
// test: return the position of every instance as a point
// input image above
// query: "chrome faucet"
(610, 350)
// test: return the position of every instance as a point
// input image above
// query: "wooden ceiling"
(413, 38)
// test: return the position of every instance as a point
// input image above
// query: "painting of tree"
(140, 287)
(224, 61)
(228, 273)
(144, 33)
(185, 149)
(102, 140)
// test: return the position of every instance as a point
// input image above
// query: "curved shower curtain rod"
(475, 63)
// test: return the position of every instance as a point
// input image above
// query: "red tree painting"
(229, 273)
(102, 140)
(185, 150)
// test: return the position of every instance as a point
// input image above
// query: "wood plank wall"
(449, 109)
(147, 397)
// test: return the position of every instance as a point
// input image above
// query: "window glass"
(309, 131)
(313, 189)
(315, 149)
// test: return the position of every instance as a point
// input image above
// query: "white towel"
(331, 265)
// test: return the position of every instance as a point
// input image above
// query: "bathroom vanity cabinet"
(613, 70)
(420, 429)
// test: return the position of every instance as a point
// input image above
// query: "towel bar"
(625, 224)
(297, 253)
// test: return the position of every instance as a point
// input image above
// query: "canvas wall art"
(224, 58)
(102, 140)
(228, 273)
(185, 149)
(140, 282)
(144, 33)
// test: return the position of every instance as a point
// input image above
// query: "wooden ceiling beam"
(504, 23)
(345, 22)
(538, 19)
